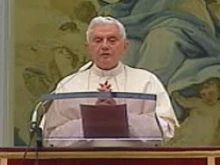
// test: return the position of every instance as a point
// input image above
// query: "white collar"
(112, 72)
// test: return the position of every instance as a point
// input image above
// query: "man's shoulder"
(70, 79)
(67, 79)
(145, 79)
(140, 72)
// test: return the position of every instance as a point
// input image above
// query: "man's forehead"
(106, 30)
(106, 26)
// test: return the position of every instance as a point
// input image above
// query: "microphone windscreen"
(86, 66)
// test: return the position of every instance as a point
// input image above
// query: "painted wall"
(178, 40)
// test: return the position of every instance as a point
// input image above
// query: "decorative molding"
(210, 155)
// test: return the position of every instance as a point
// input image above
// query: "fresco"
(178, 40)
(48, 45)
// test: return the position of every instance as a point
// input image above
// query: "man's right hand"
(105, 87)
(105, 101)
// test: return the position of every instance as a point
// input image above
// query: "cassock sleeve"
(62, 122)
(143, 125)
(62, 126)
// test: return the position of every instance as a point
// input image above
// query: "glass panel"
(101, 119)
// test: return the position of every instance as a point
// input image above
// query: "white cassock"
(66, 122)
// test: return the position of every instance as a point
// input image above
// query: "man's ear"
(127, 43)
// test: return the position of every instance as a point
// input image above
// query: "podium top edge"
(75, 95)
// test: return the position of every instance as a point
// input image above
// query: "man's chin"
(107, 66)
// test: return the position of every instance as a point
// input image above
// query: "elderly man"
(106, 44)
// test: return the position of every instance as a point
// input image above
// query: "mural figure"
(82, 11)
(71, 26)
(63, 63)
(204, 116)
(36, 81)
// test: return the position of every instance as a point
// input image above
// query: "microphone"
(35, 120)
(34, 117)
(85, 67)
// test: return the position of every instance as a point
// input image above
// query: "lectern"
(79, 120)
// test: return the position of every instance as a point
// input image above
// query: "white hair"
(100, 20)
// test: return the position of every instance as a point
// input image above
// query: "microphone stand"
(35, 130)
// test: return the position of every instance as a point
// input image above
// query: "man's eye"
(112, 40)
(97, 40)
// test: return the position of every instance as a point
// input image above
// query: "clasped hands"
(105, 87)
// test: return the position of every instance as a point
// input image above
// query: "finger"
(101, 90)
(108, 90)
(108, 86)
(102, 85)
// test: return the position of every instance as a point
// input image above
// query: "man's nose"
(105, 45)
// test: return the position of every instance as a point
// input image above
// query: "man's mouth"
(105, 54)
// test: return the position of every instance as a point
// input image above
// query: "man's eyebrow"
(113, 37)
(97, 37)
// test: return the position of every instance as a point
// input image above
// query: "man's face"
(106, 46)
